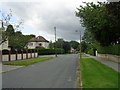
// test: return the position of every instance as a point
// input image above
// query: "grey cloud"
(113, 0)
(60, 16)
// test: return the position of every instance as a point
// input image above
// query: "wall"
(44, 44)
(19, 56)
(5, 45)
(114, 58)
(32, 45)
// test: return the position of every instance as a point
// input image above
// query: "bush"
(112, 49)
(43, 51)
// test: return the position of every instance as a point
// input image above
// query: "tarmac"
(6, 68)
(111, 64)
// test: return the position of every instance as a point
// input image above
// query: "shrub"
(112, 49)
(43, 51)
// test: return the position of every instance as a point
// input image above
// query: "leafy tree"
(113, 9)
(83, 46)
(10, 30)
(51, 45)
(66, 47)
(74, 44)
(98, 22)
(5, 23)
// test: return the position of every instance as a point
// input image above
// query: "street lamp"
(80, 42)
(1, 29)
(55, 42)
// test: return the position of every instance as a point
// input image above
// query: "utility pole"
(1, 29)
(55, 43)
(80, 45)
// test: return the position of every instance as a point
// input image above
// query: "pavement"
(59, 72)
(6, 68)
(111, 64)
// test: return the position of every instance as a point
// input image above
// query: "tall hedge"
(112, 49)
(43, 51)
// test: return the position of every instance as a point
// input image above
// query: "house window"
(40, 44)
(30, 44)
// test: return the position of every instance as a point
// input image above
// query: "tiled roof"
(39, 39)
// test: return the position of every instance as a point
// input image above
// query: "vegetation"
(26, 62)
(43, 51)
(96, 75)
(12, 34)
(101, 22)
(113, 49)
(60, 43)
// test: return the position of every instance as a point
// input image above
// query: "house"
(38, 42)
(72, 50)
(4, 46)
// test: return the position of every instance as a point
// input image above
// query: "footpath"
(111, 64)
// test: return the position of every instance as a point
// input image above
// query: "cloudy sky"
(41, 16)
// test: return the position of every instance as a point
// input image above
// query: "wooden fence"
(18, 55)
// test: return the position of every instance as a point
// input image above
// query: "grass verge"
(27, 61)
(96, 75)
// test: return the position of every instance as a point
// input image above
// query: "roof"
(39, 39)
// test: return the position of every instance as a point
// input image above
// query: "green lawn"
(26, 62)
(96, 75)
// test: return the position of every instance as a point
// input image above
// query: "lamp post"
(80, 42)
(55, 42)
(1, 29)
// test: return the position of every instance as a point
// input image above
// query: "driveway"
(60, 72)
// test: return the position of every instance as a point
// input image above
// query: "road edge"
(78, 74)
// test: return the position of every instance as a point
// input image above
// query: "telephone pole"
(55, 43)
(80, 43)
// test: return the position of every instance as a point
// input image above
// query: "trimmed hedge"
(43, 51)
(112, 49)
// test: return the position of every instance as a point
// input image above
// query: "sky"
(41, 16)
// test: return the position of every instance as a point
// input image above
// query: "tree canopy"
(100, 22)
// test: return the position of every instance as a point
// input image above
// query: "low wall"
(13, 57)
(114, 58)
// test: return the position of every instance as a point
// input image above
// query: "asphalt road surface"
(59, 72)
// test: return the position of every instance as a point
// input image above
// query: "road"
(59, 72)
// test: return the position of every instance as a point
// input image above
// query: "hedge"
(43, 51)
(112, 49)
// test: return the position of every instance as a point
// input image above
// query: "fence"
(18, 54)
(115, 58)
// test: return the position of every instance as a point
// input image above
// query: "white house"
(38, 42)
(5, 45)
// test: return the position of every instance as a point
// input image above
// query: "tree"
(74, 44)
(113, 9)
(96, 19)
(83, 46)
(51, 45)
(66, 46)
(5, 23)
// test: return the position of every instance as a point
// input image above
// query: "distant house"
(38, 42)
(72, 50)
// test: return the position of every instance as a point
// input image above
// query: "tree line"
(101, 22)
